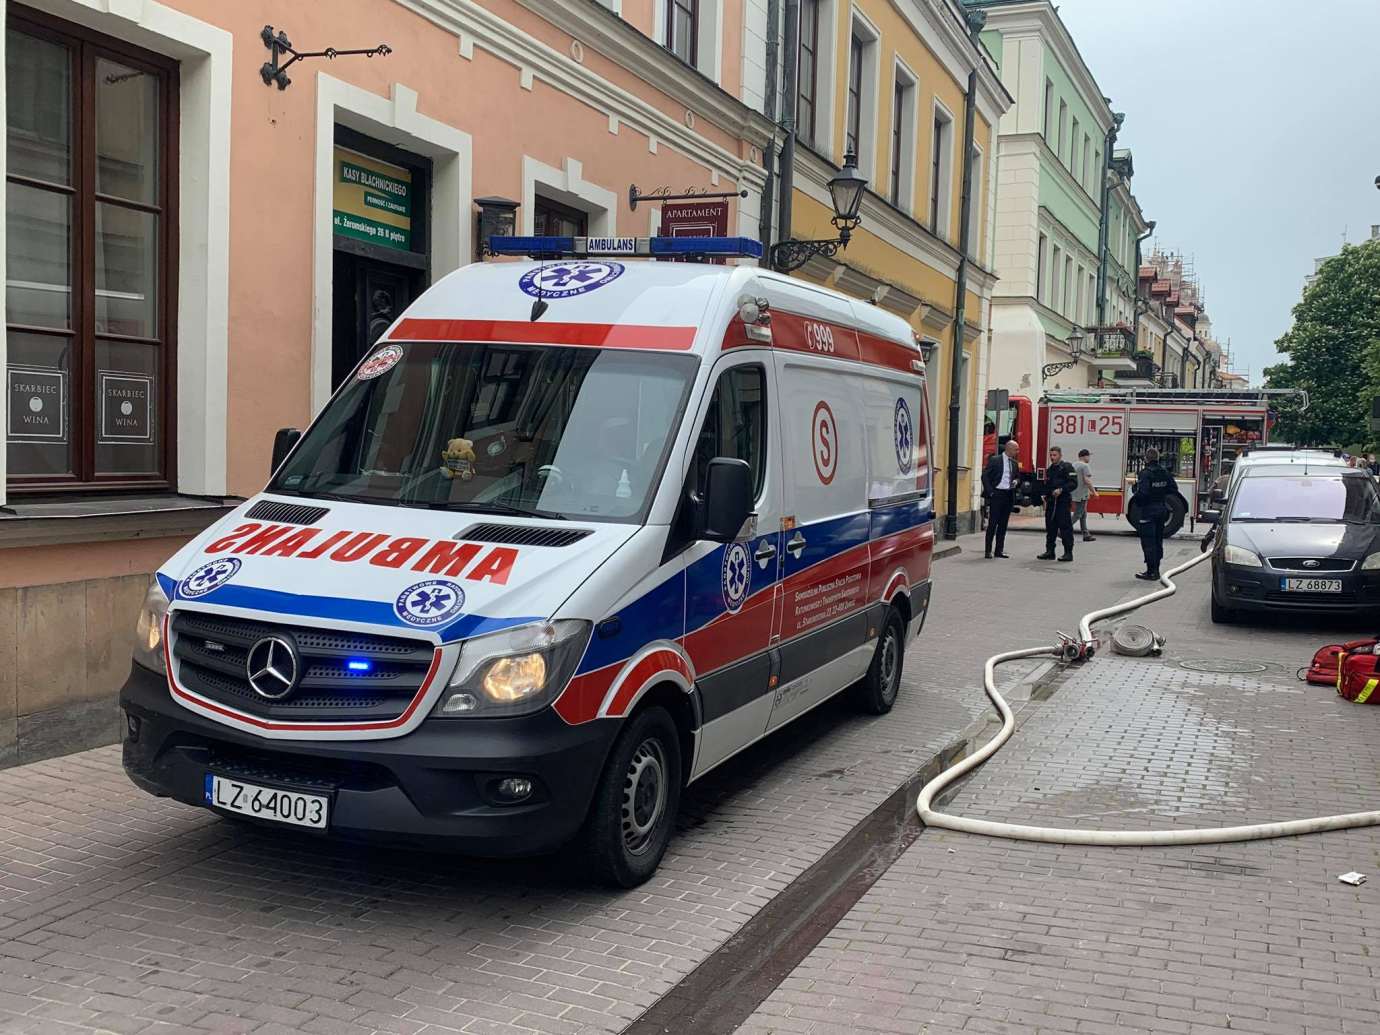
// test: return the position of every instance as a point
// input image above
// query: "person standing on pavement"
(999, 486)
(1060, 481)
(1081, 495)
(1153, 486)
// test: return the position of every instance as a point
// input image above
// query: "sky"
(1255, 129)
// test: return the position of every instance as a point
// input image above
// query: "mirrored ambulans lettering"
(436, 557)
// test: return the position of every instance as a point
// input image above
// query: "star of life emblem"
(735, 576)
(209, 576)
(563, 279)
(429, 603)
(905, 437)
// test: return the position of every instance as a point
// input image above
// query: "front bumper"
(430, 788)
(1260, 589)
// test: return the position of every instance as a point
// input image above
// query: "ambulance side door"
(824, 623)
(731, 588)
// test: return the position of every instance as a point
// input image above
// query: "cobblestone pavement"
(969, 933)
(124, 913)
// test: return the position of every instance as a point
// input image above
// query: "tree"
(1333, 351)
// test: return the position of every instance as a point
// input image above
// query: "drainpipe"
(791, 92)
(1102, 227)
(769, 110)
(976, 20)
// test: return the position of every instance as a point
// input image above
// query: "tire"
(1221, 615)
(876, 692)
(1176, 513)
(634, 810)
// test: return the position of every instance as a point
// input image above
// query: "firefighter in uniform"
(1153, 485)
(1060, 481)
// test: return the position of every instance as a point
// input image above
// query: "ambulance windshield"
(511, 429)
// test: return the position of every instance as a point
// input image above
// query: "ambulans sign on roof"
(372, 200)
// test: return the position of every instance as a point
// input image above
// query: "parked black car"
(1298, 539)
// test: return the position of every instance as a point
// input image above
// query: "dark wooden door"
(368, 295)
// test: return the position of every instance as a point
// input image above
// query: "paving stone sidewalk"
(119, 912)
(969, 933)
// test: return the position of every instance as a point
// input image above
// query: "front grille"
(286, 513)
(1314, 565)
(212, 650)
(523, 535)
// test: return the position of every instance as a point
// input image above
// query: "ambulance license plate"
(302, 810)
(1311, 585)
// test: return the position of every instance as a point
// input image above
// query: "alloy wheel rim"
(644, 795)
(890, 670)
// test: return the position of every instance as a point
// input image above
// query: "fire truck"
(1200, 434)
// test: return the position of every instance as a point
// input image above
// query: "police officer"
(1060, 481)
(1152, 487)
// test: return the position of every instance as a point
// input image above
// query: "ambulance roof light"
(630, 247)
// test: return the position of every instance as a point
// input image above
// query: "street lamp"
(1075, 342)
(846, 193)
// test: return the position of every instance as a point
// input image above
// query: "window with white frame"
(1092, 291)
(1077, 313)
(1049, 111)
(1063, 130)
(1075, 156)
(941, 166)
(965, 433)
(902, 182)
(807, 71)
(1041, 248)
(861, 123)
(683, 29)
(1056, 295)
(1087, 161)
(975, 214)
(1068, 281)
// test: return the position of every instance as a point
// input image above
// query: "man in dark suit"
(999, 477)
(1060, 481)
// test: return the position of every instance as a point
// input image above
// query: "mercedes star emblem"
(272, 666)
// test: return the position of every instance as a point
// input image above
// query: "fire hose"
(1070, 650)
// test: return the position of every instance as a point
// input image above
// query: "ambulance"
(576, 531)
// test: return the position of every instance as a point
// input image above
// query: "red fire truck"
(1200, 433)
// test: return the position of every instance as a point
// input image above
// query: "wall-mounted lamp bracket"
(664, 194)
(278, 44)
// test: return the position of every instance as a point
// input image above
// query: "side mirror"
(727, 499)
(1211, 517)
(283, 442)
(1218, 496)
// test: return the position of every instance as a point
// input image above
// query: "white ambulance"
(576, 531)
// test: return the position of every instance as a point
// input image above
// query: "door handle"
(796, 546)
(764, 552)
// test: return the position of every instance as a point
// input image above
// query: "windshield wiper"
(337, 496)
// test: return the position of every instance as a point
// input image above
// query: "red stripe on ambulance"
(589, 335)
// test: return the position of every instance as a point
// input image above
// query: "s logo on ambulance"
(735, 576)
(905, 437)
(568, 278)
(824, 442)
(208, 577)
(429, 603)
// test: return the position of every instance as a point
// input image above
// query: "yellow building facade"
(889, 80)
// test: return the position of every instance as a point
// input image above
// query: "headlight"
(148, 631)
(1240, 555)
(1371, 563)
(515, 671)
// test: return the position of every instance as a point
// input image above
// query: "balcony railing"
(1114, 348)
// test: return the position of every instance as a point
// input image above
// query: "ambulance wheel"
(1221, 615)
(635, 803)
(876, 692)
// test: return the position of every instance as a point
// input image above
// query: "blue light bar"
(632, 247)
(359, 666)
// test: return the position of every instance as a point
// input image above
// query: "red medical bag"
(1359, 676)
(1326, 662)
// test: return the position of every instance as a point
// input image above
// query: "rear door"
(825, 529)
(732, 589)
